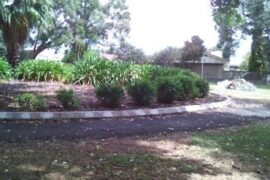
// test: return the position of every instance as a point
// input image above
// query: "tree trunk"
(13, 56)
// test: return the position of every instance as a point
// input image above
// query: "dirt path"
(106, 128)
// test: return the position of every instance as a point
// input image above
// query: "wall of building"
(210, 71)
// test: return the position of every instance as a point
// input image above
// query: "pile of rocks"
(239, 84)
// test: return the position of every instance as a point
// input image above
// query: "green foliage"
(17, 18)
(30, 102)
(167, 90)
(67, 99)
(244, 64)
(129, 53)
(203, 87)
(109, 94)
(141, 91)
(167, 56)
(194, 50)
(5, 70)
(189, 87)
(41, 70)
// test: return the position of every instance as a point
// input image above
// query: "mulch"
(85, 94)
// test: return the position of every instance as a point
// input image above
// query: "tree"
(167, 56)
(251, 18)
(128, 52)
(244, 65)
(17, 18)
(194, 50)
(83, 22)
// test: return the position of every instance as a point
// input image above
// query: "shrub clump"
(141, 91)
(203, 87)
(167, 90)
(190, 89)
(67, 99)
(109, 94)
(30, 102)
(5, 70)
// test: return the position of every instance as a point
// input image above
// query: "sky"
(157, 24)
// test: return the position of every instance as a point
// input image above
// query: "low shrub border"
(110, 114)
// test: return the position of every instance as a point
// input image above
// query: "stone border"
(110, 114)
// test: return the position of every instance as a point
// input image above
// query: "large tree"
(80, 24)
(250, 18)
(193, 50)
(17, 18)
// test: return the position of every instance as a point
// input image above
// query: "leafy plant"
(67, 99)
(190, 89)
(5, 70)
(42, 70)
(141, 91)
(30, 102)
(109, 94)
(203, 87)
(167, 90)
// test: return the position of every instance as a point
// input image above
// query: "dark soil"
(85, 93)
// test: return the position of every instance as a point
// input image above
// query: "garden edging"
(111, 114)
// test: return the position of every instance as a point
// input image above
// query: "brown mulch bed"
(85, 93)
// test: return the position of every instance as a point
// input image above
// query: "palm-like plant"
(17, 18)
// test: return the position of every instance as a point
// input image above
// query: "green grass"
(251, 143)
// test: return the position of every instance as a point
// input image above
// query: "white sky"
(156, 24)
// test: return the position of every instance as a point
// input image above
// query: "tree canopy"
(194, 50)
(247, 18)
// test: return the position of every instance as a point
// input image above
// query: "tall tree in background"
(79, 24)
(17, 18)
(248, 17)
(167, 56)
(128, 52)
(194, 50)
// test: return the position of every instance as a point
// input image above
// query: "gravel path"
(107, 128)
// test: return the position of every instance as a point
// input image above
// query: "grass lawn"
(235, 153)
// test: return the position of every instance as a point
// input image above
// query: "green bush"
(167, 90)
(5, 70)
(67, 99)
(30, 102)
(109, 94)
(190, 89)
(141, 91)
(42, 70)
(203, 87)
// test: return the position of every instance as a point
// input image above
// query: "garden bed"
(85, 94)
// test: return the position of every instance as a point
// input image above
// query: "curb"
(110, 114)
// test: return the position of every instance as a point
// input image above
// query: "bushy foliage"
(194, 50)
(30, 102)
(109, 94)
(203, 87)
(5, 70)
(167, 56)
(42, 70)
(141, 91)
(95, 70)
(167, 90)
(67, 99)
(190, 89)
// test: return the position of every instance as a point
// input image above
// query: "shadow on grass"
(251, 145)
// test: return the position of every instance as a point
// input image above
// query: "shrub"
(189, 87)
(5, 70)
(30, 102)
(167, 90)
(67, 99)
(203, 87)
(41, 70)
(109, 94)
(141, 91)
